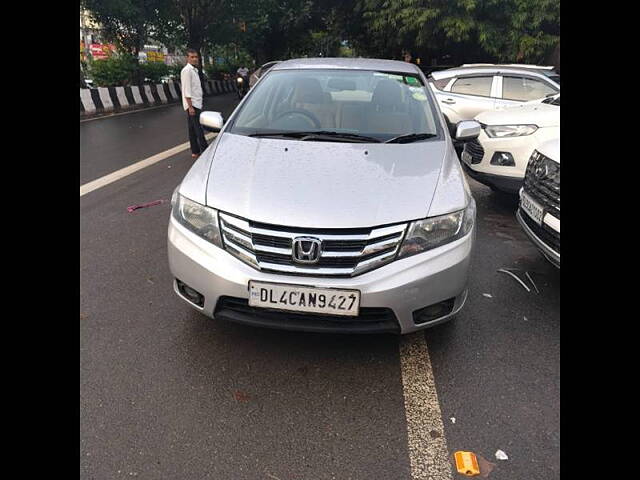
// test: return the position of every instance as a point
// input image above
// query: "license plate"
(295, 298)
(533, 208)
(466, 157)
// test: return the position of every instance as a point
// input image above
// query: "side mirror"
(467, 130)
(211, 121)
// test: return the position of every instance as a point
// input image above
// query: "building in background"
(90, 34)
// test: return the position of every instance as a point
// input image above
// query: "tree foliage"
(127, 23)
(503, 30)
(465, 30)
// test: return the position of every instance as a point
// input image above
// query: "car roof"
(270, 64)
(492, 69)
(348, 64)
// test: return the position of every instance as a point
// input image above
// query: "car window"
(371, 103)
(440, 84)
(525, 89)
(555, 78)
(480, 86)
(552, 100)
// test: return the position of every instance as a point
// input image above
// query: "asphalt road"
(168, 393)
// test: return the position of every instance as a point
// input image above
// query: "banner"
(100, 51)
(155, 57)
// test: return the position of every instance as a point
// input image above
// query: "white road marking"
(428, 452)
(123, 172)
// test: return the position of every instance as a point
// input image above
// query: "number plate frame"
(277, 292)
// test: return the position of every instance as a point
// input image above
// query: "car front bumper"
(403, 286)
(506, 184)
(506, 178)
(546, 250)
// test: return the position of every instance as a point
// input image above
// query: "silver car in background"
(332, 200)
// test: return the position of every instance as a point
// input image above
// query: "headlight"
(201, 220)
(500, 131)
(239, 80)
(433, 232)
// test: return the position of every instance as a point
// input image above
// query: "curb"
(104, 100)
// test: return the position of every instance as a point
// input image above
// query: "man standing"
(192, 103)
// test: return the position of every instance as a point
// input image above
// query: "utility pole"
(83, 32)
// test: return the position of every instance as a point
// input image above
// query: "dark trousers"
(196, 134)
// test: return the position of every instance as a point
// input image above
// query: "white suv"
(539, 209)
(499, 156)
(466, 91)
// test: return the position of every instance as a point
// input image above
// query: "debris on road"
(467, 463)
(488, 295)
(532, 283)
(145, 205)
(502, 270)
(453, 419)
(486, 467)
(241, 396)
(500, 455)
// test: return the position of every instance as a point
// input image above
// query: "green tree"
(502, 30)
(127, 23)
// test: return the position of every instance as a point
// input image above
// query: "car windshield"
(555, 78)
(355, 105)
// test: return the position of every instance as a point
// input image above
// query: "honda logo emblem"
(306, 250)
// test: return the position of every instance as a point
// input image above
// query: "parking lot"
(168, 393)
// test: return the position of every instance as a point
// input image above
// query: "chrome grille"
(344, 252)
(545, 191)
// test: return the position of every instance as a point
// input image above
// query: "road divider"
(103, 100)
(126, 171)
(428, 453)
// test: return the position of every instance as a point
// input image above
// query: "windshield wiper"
(411, 137)
(319, 134)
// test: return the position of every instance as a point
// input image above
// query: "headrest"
(308, 90)
(387, 94)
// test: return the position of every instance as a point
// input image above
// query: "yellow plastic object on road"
(467, 463)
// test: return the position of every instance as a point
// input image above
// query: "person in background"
(243, 71)
(192, 103)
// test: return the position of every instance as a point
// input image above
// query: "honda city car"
(332, 200)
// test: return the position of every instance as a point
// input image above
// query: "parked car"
(342, 210)
(255, 76)
(498, 157)
(539, 209)
(466, 91)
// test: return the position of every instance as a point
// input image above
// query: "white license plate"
(533, 208)
(466, 157)
(295, 298)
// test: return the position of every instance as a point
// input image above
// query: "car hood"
(323, 184)
(540, 114)
(551, 149)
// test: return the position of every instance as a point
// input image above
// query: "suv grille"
(545, 190)
(475, 150)
(343, 252)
